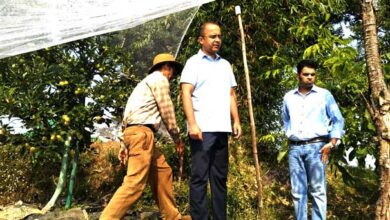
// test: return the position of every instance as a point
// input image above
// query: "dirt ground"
(23, 211)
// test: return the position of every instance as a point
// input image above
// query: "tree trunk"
(379, 106)
(61, 179)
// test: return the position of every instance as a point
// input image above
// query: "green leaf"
(327, 16)
(387, 56)
(281, 155)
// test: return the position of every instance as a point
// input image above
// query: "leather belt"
(310, 141)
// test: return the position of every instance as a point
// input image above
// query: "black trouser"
(210, 160)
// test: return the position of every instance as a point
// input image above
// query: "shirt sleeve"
(233, 82)
(161, 93)
(285, 116)
(335, 117)
(188, 75)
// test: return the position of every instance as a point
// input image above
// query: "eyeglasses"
(307, 74)
(214, 36)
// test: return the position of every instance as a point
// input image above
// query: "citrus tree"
(61, 93)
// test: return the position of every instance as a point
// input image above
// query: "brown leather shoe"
(186, 217)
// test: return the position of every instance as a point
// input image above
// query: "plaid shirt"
(150, 102)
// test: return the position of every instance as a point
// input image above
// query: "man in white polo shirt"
(210, 104)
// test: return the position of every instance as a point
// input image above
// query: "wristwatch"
(335, 145)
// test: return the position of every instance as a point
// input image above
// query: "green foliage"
(384, 25)
(353, 201)
(64, 90)
(48, 90)
(19, 179)
(278, 35)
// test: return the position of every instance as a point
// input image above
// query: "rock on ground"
(22, 211)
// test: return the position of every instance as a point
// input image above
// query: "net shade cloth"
(161, 35)
(28, 25)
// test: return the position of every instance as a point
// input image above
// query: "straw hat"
(163, 58)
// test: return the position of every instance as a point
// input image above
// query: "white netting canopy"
(143, 27)
(28, 25)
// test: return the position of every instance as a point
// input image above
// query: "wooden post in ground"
(251, 117)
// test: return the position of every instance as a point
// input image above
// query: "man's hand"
(123, 154)
(195, 133)
(237, 130)
(325, 150)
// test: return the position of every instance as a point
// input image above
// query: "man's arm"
(335, 117)
(337, 126)
(162, 97)
(186, 92)
(285, 116)
(234, 112)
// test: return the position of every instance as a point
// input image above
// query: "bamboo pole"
(251, 117)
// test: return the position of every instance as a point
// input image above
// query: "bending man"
(148, 104)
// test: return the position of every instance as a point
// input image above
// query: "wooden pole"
(251, 117)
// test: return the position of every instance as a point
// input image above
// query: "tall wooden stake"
(251, 117)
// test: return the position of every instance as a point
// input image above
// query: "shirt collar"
(203, 55)
(313, 89)
(157, 73)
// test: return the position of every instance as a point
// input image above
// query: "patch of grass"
(100, 175)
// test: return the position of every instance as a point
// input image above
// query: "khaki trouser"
(145, 164)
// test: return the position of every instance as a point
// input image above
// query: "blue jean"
(307, 175)
(210, 162)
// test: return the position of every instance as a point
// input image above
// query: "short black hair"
(203, 26)
(306, 63)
